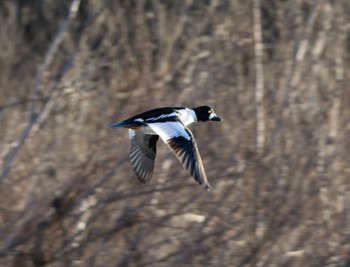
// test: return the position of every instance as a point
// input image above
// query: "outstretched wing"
(142, 154)
(180, 139)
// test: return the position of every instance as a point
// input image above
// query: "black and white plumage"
(170, 123)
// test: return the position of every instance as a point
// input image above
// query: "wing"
(180, 139)
(142, 154)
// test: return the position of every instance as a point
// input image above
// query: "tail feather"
(117, 124)
(123, 124)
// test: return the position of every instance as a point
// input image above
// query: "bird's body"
(170, 123)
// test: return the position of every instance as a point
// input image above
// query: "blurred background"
(274, 70)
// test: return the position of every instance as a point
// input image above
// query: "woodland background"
(276, 71)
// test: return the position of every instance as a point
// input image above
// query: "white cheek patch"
(212, 115)
(169, 130)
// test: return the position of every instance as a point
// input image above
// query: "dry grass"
(276, 71)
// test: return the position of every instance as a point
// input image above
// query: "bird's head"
(206, 113)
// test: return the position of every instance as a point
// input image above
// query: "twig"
(33, 116)
(293, 79)
(22, 102)
(259, 78)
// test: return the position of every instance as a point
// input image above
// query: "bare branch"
(33, 116)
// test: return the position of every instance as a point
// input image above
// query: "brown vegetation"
(276, 71)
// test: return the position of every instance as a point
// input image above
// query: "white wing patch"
(182, 143)
(169, 130)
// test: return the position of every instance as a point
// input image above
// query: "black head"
(205, 113)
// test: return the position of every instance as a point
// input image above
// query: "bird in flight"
(170, 123)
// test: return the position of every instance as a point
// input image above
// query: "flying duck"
(170, 123)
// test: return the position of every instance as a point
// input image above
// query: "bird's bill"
(214, 117)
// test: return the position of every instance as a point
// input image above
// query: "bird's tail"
(117, 124)
(123, 124)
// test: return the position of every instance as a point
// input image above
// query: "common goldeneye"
(170, 123)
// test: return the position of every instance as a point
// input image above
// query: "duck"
(171, 125)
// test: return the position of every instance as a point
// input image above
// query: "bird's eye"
(210, 111)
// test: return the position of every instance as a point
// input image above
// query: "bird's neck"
(188, 116)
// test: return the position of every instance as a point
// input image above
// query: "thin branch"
(33, 116)
(259, 78)
(297, 59)
(22, 102)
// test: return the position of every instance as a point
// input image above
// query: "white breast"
(147, 130)
(187, 116)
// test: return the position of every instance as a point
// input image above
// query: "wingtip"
(207, 187)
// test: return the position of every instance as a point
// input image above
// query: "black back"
(153, 113)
